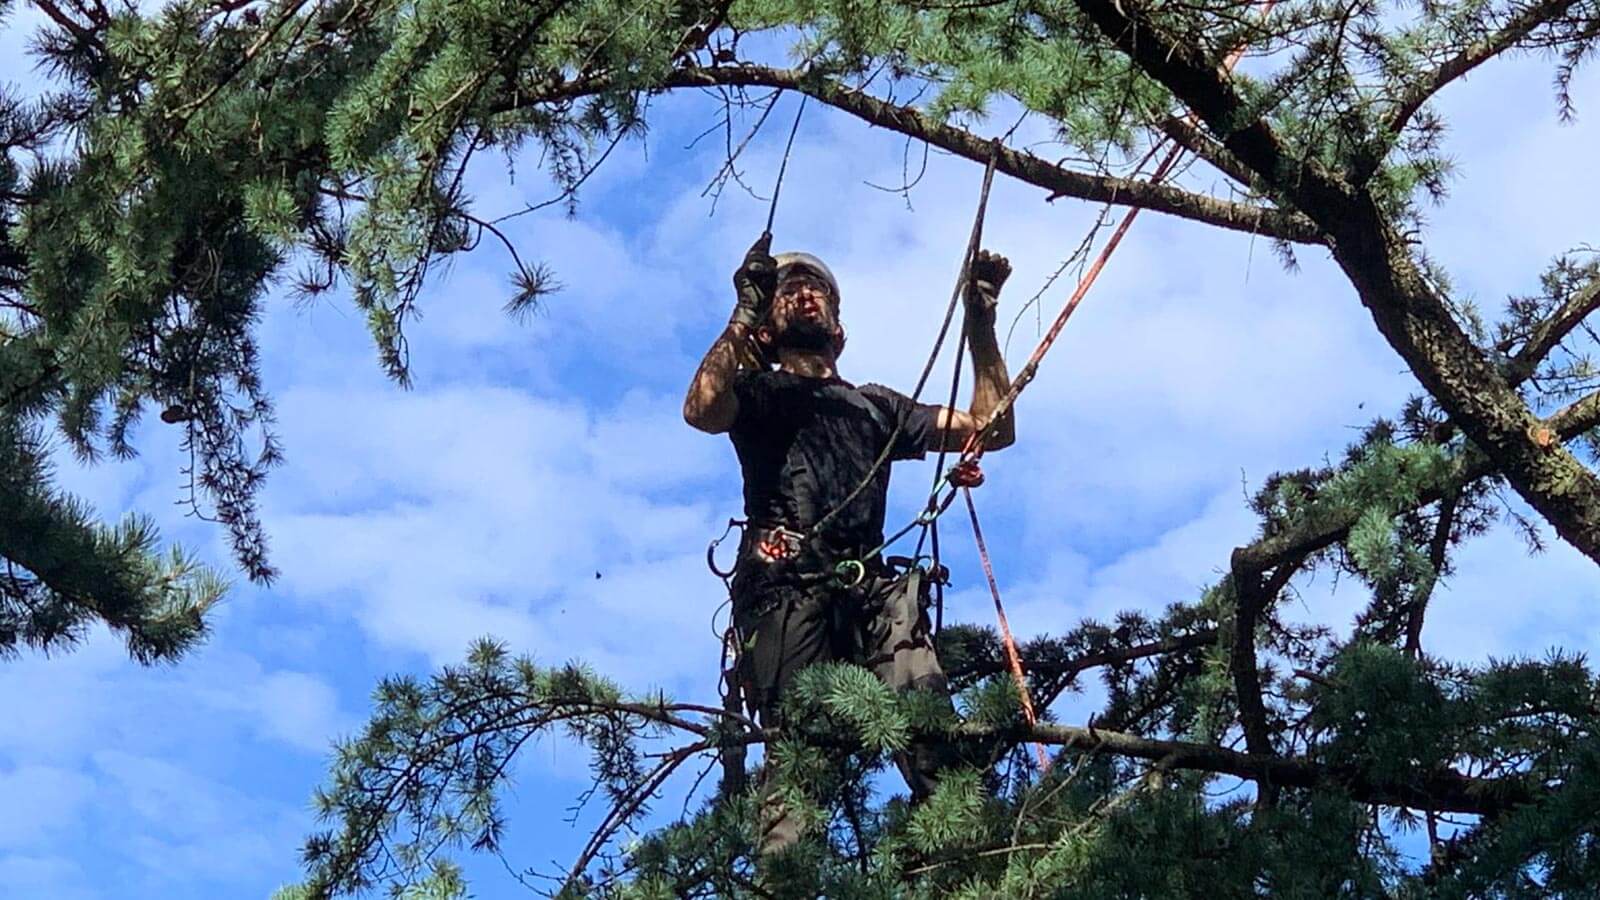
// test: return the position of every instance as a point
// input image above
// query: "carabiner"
(849, 565)
(711, 549)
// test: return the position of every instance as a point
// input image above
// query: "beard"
(807, 335)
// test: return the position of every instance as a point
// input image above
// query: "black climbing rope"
(783, 166)
(973, 243)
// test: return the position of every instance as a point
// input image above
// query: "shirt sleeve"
(754, 394)
(917, 421)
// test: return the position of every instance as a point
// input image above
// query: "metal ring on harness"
(711, 549)
(856, 567)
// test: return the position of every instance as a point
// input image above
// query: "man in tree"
(809, 585)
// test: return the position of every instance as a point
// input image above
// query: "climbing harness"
(965, 474)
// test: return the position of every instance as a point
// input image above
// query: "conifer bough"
(180, 160)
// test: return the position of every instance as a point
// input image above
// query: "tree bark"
(1409, 313)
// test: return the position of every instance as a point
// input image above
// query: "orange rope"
(1012, 656)
(974, 449)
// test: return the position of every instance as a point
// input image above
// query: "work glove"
(754, 283)
(988, 274)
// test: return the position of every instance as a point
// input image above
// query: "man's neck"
(807, 363)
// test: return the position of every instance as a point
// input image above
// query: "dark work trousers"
(881, 624)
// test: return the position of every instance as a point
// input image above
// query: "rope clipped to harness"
(965, 475)
(1013, 658)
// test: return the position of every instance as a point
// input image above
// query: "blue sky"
(530, 457)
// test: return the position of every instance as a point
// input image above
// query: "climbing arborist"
(815, 452)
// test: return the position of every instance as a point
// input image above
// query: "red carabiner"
(966, 474)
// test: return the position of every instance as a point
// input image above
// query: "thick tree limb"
(1205, 87)
(1059, 181)
(1376, 258)
(83, 33)
(1180, 129)
(1516, 28)
(1443, 790)
(1253, 594)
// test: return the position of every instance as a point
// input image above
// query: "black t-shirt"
(806, 443)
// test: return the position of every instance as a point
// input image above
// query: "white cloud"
(53, 877)
(1535, 601)
(170, 777)
(530, 458)
(299, 710)
(494, 518)
(194, 828)
(40, 800)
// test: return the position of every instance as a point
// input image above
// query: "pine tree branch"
(1207, 90)
(1318, 532)
(1196, 141)
(88, 570)
(1060, 181)
(40, 381)
(1438, 547)
(1067, 669)
(1548, 334)
(54, 12)
(1376, 257)
(285, 16)
(1253, 595)
(1472, 56)
(623, 811)
(1444, 790)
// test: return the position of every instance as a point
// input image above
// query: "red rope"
(974, 449)
(966, 474)
(1013, 659)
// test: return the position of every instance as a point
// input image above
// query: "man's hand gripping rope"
(754, 283)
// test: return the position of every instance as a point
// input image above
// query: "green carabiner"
(847, 565)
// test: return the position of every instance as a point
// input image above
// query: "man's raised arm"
(990, 381)
(711, 405)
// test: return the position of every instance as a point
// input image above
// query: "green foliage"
(183, 160)
(426, 775)
(1386, 716)
(63, 571)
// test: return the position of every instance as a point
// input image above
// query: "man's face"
(804, 314)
